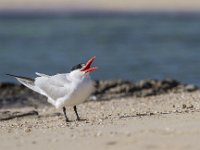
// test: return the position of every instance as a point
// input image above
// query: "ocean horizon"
(128, 46)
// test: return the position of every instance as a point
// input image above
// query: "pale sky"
(123, 5)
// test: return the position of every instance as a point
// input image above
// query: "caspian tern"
(61, 90)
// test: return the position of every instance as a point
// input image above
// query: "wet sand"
(168, 121)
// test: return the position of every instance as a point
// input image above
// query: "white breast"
(79, 94)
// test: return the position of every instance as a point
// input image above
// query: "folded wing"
(54, 87)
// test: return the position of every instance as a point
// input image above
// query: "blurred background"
(132, 39)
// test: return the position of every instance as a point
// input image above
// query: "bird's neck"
(78, 77)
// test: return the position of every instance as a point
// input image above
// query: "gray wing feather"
(54, 86)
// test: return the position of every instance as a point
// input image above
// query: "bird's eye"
(82, 65)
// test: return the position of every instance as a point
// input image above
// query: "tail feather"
(28, 82)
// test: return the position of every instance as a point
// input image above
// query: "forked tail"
(28, 82)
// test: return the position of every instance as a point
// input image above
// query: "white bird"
(61, 90)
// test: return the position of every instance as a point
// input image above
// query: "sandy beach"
(166, 121)
(120, 115)
(114, 5)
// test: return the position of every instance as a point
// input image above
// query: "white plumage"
(62, 90)
(65, 89)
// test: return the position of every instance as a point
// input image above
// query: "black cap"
(79, 66)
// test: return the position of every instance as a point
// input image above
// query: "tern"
(63, 90)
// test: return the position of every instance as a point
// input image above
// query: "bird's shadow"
(80, 120)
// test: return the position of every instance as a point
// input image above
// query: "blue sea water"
(131, 47)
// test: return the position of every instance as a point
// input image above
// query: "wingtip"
(19, 77)
(9, 74)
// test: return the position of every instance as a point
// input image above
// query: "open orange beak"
(87, 68)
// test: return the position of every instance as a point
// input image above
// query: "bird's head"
(83, 69)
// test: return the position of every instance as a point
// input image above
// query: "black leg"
(64, 111)
(78, 118)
